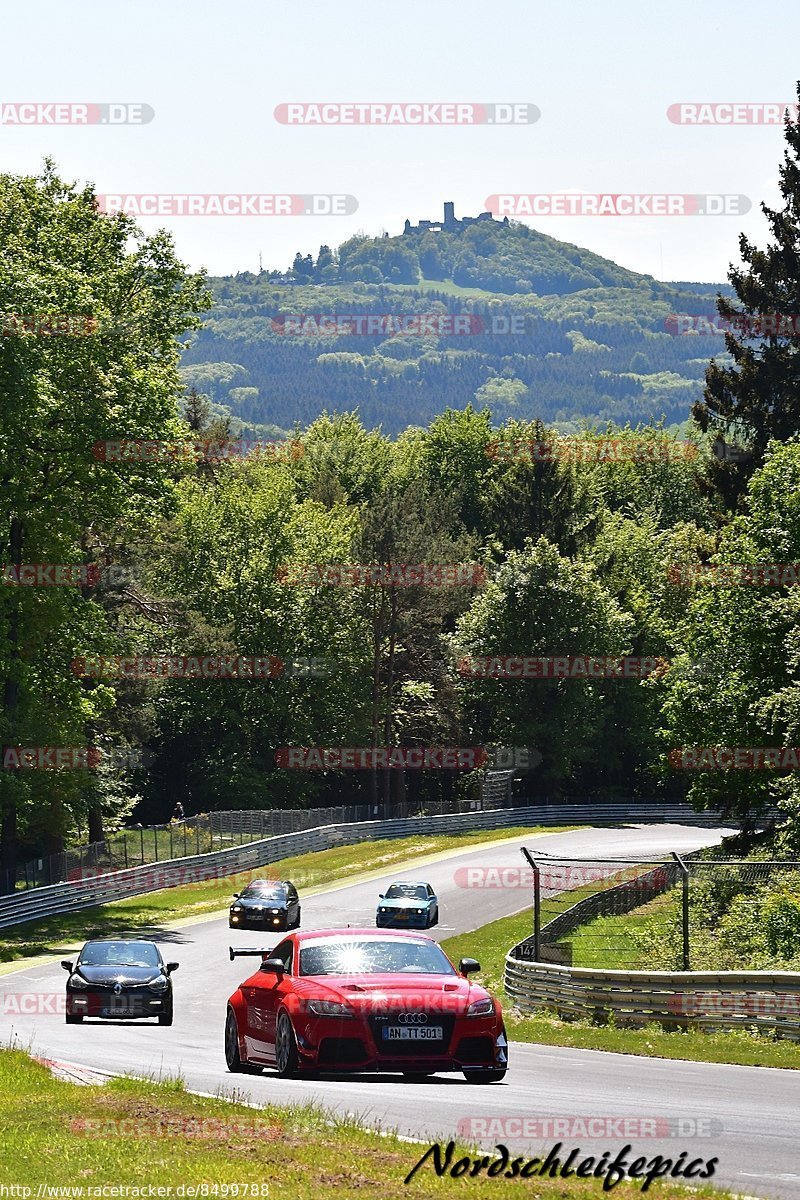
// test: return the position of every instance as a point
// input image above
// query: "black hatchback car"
(266, 904)
(119, 979)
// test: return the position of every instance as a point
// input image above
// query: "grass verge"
(491, 943)
(136, 1134)
(308, 871)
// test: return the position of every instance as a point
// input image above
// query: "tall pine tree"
(756, 397)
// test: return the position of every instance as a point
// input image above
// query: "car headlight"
(276, 911)
(77, 981)
(481, 1008)
(383, 910)
(159, 984)
(328, 1008)
(237, 908)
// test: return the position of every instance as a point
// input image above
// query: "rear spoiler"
(249, 951)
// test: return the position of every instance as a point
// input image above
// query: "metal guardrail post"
(537, 907)
(684, 909)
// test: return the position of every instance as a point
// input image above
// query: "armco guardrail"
(42, 902)
(675, 999)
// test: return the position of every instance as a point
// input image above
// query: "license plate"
(399, 1033)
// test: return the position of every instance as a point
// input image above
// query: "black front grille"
(341, 1050)
(108, 988)
(429, 1048)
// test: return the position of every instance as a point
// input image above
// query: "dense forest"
(373, 555)
(554, 333)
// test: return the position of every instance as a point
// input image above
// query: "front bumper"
(408, 920)
(331, 1044)
(132, 1005)
(250, 920)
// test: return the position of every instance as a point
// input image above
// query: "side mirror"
(274, 966)
(468, 966)
(382, 896)
(236, 895)
(172, 967)
(67, 965)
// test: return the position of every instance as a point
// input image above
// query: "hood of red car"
(386, 993)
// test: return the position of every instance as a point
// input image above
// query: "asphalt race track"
(746, 1116)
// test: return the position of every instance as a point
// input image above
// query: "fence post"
(185, 851)
(155, 843)
(125, 846)
(141, 839)
(537, 907)
(197, 832)
(171, 851)
(684, 909)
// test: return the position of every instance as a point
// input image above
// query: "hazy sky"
(603, 76)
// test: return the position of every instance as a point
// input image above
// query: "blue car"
(408, 906)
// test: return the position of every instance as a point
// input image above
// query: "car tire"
(234, 1062)
(488, 1075)
(297, 922)
(286, 1057)
(165, 1018)
(417, 1076)
(73, 1019)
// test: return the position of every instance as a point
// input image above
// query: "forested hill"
(546, 330)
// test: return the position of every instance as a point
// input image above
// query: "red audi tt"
(364, 1000)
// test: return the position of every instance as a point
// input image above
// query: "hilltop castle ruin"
(450, 223)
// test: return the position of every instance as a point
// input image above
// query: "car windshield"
(412, 891)
(120, 954)
(373, 956)
(264, 891)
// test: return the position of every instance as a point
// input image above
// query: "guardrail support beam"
(684, 908)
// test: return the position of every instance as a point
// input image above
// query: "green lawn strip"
(491, 943)
(135, 1133)
(611, 941)
(342, 865)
